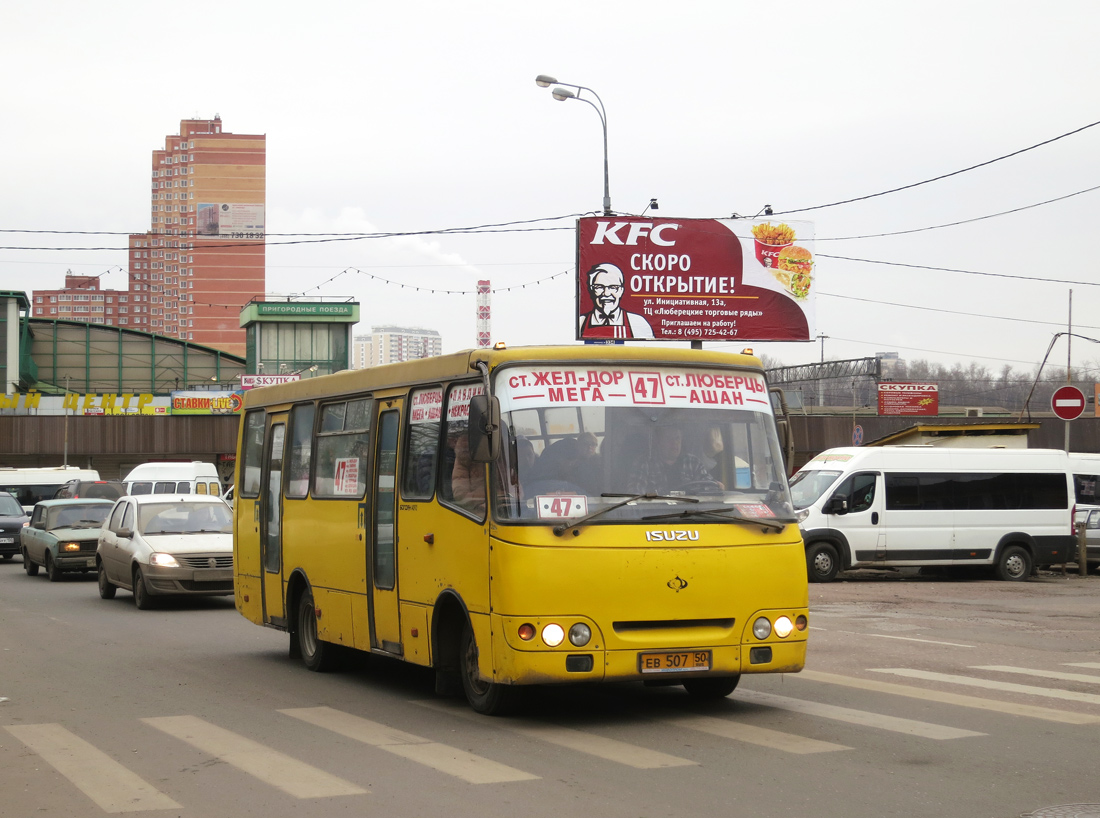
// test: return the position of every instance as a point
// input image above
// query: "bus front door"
(270, 513)
(382, 556)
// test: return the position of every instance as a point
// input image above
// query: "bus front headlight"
(783, 627)
(761, 628)
(553, 635)
(579, 635)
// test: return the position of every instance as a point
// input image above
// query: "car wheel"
(822, 562)
(706, 690)
(52, 571)
(142, 599)
(1014, 564)
(106, 587)
(8, 556)
(316, 654)
(28, 565)
(487, 698)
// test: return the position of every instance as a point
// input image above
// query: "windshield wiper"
(561, 528)
(722, 514)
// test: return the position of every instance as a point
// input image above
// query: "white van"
(31, 485)
(900, 506)
(171, 477)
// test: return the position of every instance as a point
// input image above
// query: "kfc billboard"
(694, 279)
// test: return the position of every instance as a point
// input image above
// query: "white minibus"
(905, 506)
(31, 485)
(170, 477)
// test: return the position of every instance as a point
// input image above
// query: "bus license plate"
(673, 661)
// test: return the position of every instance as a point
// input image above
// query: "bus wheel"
(487, 698)
(822, 562)
(316, 654)
(707, 690)
(1014, 564)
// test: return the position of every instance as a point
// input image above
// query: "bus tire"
(822, 562)
(1014, 564)
(316, 654)
(486, 698)
(708, 690)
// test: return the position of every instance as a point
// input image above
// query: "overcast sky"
(420, 116)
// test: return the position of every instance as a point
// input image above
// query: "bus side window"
(418, 478)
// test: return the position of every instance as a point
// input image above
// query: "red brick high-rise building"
(203, 257)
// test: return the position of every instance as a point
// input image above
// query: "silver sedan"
(158, 545)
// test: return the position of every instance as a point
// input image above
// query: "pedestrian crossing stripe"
(293, 777)
(110, 785)
(469, 767)
(1009, 687)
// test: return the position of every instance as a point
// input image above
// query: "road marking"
(913, 639)
(606, 748)
(944, 697)
(113, 787)
(467, 766)
(751, 734)
(1011, 687)
(293, 777)
(1092, 665)
(863, 718)
(1044, 674)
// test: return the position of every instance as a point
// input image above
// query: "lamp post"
(561, 94)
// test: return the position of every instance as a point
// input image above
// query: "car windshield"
(807, 486)
(77, 515)
(579, 440)
(9, 506)
(185, 518)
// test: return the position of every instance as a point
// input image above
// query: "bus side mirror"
(837, 504)
(484, 431)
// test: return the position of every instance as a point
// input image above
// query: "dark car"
(12, 520)
(91, 490)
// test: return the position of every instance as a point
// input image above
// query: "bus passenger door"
(270, 511)
(382, 552)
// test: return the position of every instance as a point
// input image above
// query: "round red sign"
(1068, 402)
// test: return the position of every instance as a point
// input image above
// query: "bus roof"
(459, 364)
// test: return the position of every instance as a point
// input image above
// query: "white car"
(166, 544)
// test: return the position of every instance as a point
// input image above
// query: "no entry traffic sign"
(1068, 402)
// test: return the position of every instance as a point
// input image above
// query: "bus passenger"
(467, 477)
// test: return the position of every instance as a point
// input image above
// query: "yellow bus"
(526, 516)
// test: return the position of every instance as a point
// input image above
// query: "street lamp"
(561, 94)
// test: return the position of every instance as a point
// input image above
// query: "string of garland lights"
(438, 290)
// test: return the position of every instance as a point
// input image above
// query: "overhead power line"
(937, 178)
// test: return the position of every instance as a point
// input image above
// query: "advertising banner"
(231, 221)
(908, 399)
(694, 279)
(256, 381)
(194, 402)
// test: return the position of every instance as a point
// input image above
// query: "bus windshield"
(577, 440)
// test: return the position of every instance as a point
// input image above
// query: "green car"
(62, 536)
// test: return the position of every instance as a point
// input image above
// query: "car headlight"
(163, 560)
(71, 546)
(802, 514)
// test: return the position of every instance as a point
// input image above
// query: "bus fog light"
(526, 632)
(761, 628)
(553, 635)
(579, 634)
(783, 627)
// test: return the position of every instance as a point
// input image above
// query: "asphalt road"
(922, 697)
